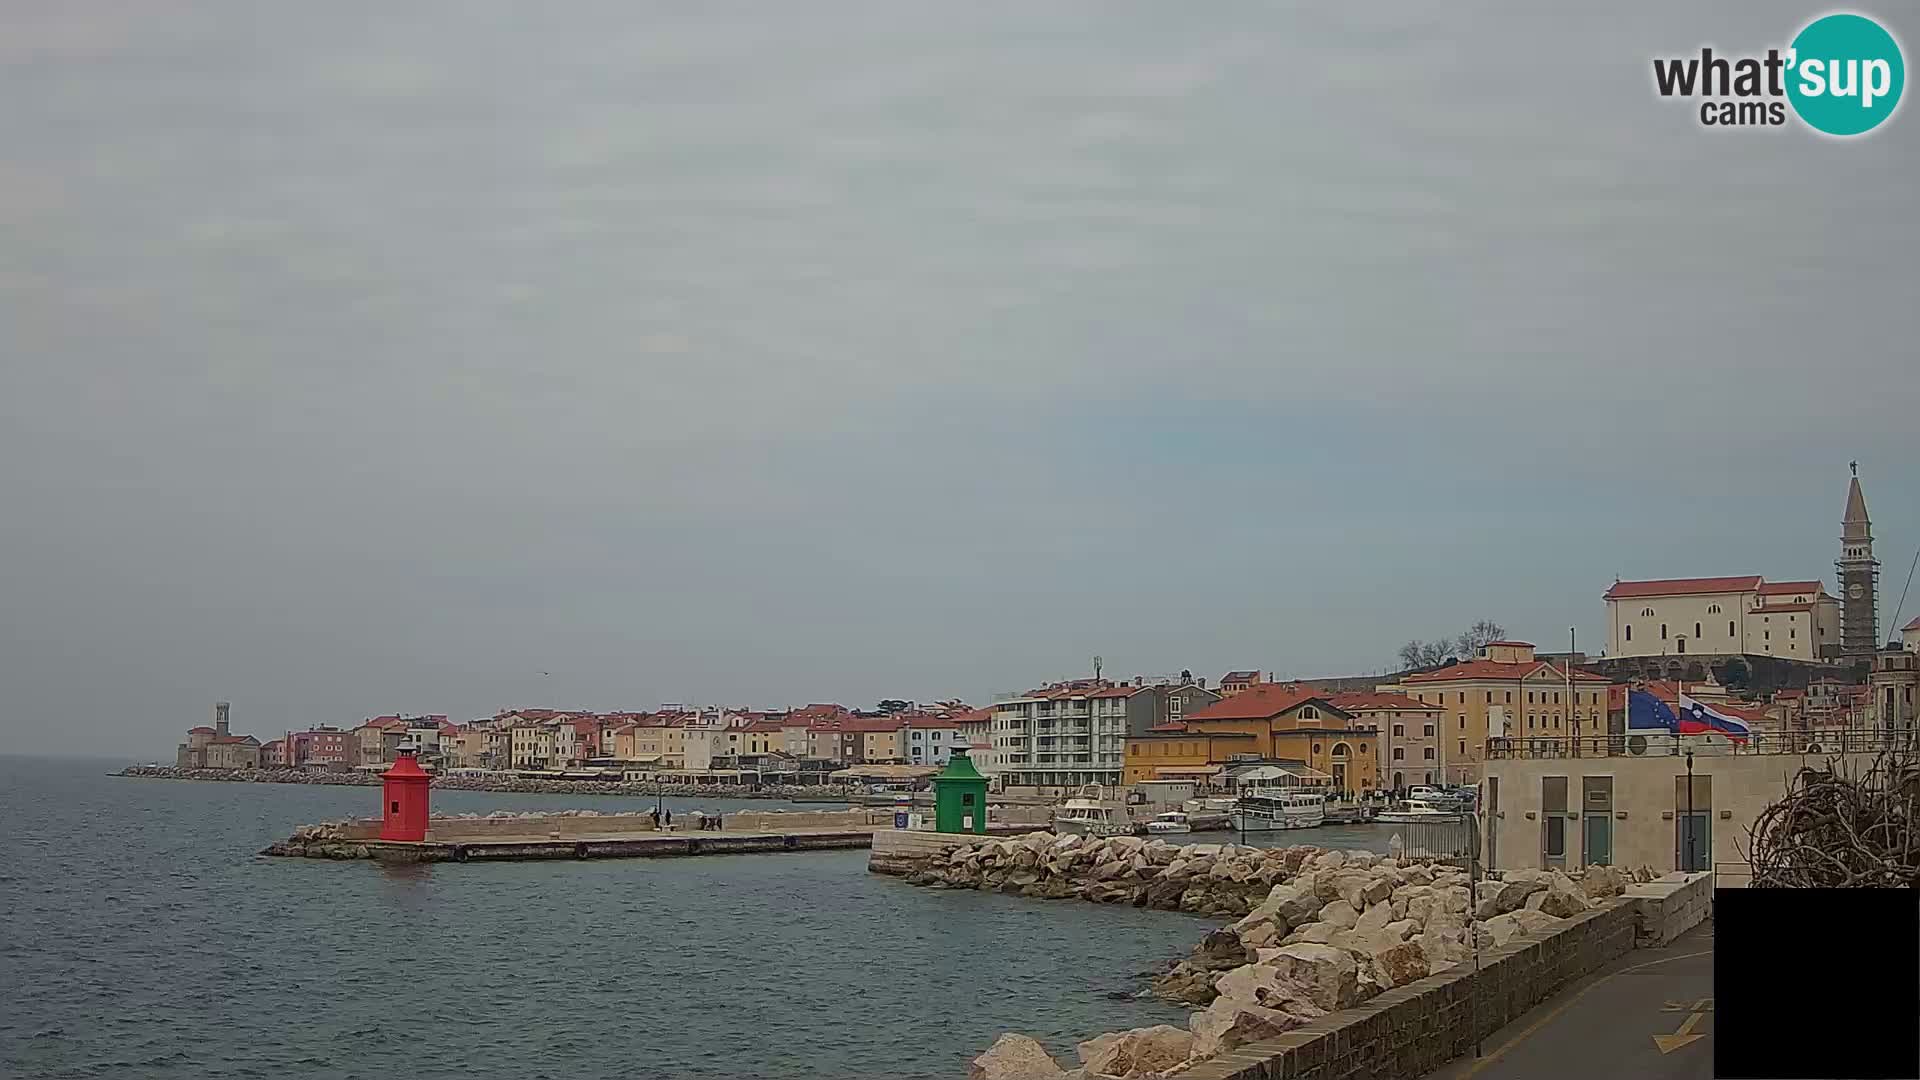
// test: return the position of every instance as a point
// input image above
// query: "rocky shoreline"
(1318, 931)
(514, 786)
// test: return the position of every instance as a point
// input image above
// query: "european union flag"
(1648, 713)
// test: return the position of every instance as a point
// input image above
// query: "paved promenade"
(1648, 1014)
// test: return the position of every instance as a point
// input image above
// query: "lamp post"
(1686, 830)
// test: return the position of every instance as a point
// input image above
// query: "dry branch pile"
(1836, 830)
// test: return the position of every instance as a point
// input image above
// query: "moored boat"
(1173, 821)
(1276, 810)
(1415, 810)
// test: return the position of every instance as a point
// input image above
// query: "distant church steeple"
(1858, 573)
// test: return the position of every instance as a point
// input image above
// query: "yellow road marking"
(1669, 1043)
(1564, 1006)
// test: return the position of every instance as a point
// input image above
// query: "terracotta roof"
(1683, 586)
(1770, 608)
(201, 730)
(769, 727)
(1776, 588)
(1513, 644)
(1495, 669)
(1914, 625)
(1240, 676)
(976, 715)
(229, 740)
(930, 722)
(1262, 700)
(1171, 725)
(1360, 702)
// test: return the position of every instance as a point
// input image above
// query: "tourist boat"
(1173, 821)
(1279, 810)
(1414, 810)
(1209, 805)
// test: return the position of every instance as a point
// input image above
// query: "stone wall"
(588, 823)
(1411, 1030)
(1671, 906)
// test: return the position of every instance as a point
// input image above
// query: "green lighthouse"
(960, 797)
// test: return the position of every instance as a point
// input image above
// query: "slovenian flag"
(1699, 718)
(1648, 713)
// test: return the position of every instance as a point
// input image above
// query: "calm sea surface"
(141, 937)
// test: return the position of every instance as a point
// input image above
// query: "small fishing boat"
(1173, 821)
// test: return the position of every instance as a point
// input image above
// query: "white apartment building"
(1748, 615)
(1061, 737)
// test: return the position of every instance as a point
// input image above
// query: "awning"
(1165, 771)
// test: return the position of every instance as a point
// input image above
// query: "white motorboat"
(1209, 805)
(1278, 810)
(1173, 821)
(1087, 814)
(1414, 810)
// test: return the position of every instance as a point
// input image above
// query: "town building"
(1647, 803)
(1504, 692)
(1409, 735)
(1265, 722)
(930, 740)
(1894, 687)
(378, 740)
(1234, 682)
(273, 754)
(1910, 635)
(1061, 736)
(217, 747)
(1699, 619)
(321, 747)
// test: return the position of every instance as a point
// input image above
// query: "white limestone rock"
(1137, 1053)
(1014, 1057)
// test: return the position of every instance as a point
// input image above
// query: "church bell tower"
(1859, 575)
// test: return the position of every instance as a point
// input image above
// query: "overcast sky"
(359, 357)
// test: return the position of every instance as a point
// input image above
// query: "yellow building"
(1266, 721)
(1505, 693)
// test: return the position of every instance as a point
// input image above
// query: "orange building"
(1266, 721)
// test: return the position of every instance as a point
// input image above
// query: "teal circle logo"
(1845, 74)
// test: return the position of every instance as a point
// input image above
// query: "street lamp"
(1686, 828)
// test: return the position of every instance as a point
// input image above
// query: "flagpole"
(1573, 725)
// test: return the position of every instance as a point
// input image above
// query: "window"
(1399, 731)
(1509, 697)
(1429, 754)
(1696, 629)
(1793, 633)
(1556, 697)
(1766, 635)
(1309, 713)
(1463, 723)
(1463, 698)
(1647, 611)
(1463, 748)
(1429, 731)
(1489, 697)
(1529, 697)
(1629, 631)
(1663, 631)
(1399, 753)
(1713, 609)
(1729, 627)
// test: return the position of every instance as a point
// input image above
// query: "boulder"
(1327, 976)
(1330, 860)
(1601, 882)
(1014, 1057)
(1376, 890)
(1229, 1023)
(1501, 928)
(1219, 950)
(1341, 914)
(1537, 922)
(1402, 964)
(1260, 934)
(1137, 1053)
(1187, 985)
(1562, 903)
(1293, 904)
(1318, 932)
(1443, 949)
(1374, 919)
(1401, 930)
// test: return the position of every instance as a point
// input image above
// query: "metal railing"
(1816, 742)
(1452, 841)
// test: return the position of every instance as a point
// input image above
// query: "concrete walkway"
(1648, 1015)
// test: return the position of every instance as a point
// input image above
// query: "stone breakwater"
(516, 785)
(1317, 932)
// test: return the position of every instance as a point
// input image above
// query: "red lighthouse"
(404, 800)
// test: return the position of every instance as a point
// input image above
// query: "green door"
(1696, 841)
(1599, 846)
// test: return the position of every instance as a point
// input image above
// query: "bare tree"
(1475, 637)
(1463, 646)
